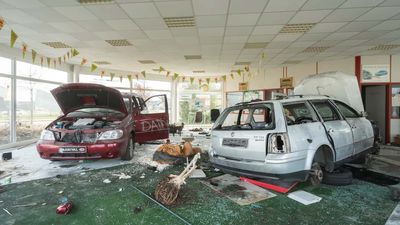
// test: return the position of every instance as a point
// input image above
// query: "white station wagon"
(294, 138)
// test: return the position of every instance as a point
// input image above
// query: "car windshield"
(95, 112)
(246, 117)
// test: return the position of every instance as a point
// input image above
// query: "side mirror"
(363, 114)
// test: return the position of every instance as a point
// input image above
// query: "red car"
(100, 122)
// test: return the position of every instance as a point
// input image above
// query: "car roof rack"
(301, 96)
(244, 103)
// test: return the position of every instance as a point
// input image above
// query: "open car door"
(152, 122)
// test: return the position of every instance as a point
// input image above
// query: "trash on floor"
(395, 190)
(304, 197)
(65, 207)
(8, 212)
(106, 181)
(394, 218)
(240, 192)
(122, 176)
(275, 185)
(174, 154)
(5, 180)
(167, 190)
(7, 156)
(25, 205)
(198, 173)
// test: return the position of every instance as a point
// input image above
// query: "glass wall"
(395, 116)
(196, 101)
(5, 101)
(5, 65)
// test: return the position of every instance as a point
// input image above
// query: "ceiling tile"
(286, 37)
(85, 36)
(302, 44)
(238, 31)
(367, 35)
(124, 24)
(132, 34)
(68, 27)
(175, 8)
(387, 25)
(261, 38)
(309, 16)
(241, 7)
(273, 18)
(184, 32)
(272, 29)
(242, 19)
(390, 3)
(94, 25)
(47, 14)
(340, 36)
(108, 35)
(45, 28)
(379, 13)
(358, 26)
(76, 13)
(140, 10)
(278, 45)
(18, 16)
(360, 3)
(235, 39)
(54, 3)
(151, 23)
(210, 7)
(210, 32)
(322, 4)
(350, 43)
(284, 5)
(326, 27)
(345, 15)
(159, 34)
(211, 21)
(313, 37)
(107, 11)
(24, 4)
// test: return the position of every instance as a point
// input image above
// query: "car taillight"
(278, 143)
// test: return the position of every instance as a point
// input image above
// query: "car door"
(338, 130)
(151, 123)
(360, 127)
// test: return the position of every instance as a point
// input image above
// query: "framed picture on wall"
(375, 73)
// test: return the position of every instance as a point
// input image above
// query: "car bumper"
(275, 167)
(50, 150)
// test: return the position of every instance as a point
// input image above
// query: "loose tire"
(130, 148)
(339, 177)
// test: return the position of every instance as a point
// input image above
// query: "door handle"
(353, 127)
(331, 130)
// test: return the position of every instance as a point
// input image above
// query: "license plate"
(235, 142)
(72, 150)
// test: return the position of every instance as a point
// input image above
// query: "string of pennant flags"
(53, 61)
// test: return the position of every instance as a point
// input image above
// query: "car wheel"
(316, 174)
(130, 148)
(338, 177)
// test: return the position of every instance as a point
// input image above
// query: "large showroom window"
(195, 102)
(5, 100)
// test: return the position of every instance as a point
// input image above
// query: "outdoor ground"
(119, 202)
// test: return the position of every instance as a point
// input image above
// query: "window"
(96, 79)
(326, 111)
(346, 110)
(155, 104)
(297, 113)
(246, 117)
(5, 100)
(38, 72)
(5, 65)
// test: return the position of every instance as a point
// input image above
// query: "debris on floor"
(395, 191)
(275, 185)
(122, 176)
(7, 156)
(240, 192)
(65, 207)
(106, 181)
(304, 197)
(5, 180)
(167, 190)
(198, 173)
(394, 218)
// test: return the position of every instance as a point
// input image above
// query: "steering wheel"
(303, 118)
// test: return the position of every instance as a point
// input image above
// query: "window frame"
(309, 106)
(333, 107)
(337, 103)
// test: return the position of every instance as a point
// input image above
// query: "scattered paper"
(198, 173)
(162, 167)
(122, 176)
(107, 181)
(60, 192)
(119, 190)
(304, 197)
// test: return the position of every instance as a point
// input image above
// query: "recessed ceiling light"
(173, 22)
(119, 43)
(199, 71)
(314, 49)
(297, 28)
(94, 1)
(146, 61)
(189, 57)
(292, 62)
(255, 45)
(57, 44)
(242, 63)
(383, 47)
(101, 62)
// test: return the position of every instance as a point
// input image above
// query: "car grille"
(79, 137)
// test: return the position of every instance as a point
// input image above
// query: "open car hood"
(75, 96)
(341, 86)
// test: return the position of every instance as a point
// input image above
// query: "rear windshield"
(246, 117)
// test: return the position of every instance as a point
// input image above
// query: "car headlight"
(278, 143)
(111, 135)
(47, 135)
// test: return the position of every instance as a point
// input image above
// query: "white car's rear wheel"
(316, 174)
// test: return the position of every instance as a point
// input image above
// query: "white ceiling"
(348, 27)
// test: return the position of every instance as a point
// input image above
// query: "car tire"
(316, 174)
(130, 148)
(338, 177)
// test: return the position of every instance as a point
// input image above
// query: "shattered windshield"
(246, 117)
(95, 112)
